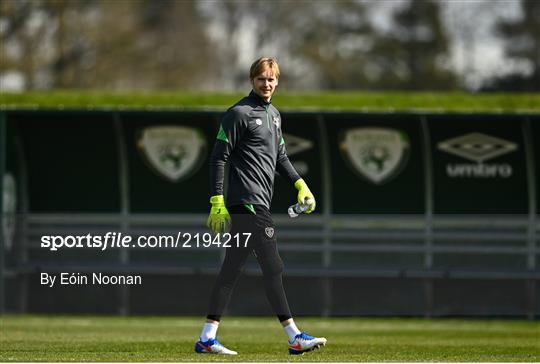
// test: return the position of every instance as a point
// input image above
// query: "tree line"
(208, 45)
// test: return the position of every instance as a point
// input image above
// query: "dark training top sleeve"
(218, 159)
(284, 166)
(230, 132)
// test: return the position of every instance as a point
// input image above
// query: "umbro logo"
(477, 147)
(258, 121)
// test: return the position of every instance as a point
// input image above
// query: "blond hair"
(261, 64)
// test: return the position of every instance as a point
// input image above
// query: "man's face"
(265, 84)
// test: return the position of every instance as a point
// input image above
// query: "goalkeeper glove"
(219, 219)
(305, 196)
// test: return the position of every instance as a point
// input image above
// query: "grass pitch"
(135, 339)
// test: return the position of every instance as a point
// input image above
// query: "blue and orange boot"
(212, 346)
(303, 343)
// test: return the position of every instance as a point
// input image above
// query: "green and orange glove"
(305, 196)
(219, 220)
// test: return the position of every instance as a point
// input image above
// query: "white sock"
(291, 330)
(209, 331)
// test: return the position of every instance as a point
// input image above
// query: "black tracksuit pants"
(263, 244)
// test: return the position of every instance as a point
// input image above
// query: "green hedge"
(363, 101)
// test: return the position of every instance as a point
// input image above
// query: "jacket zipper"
(267, 119)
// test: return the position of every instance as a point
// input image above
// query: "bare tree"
(136, 44)
(522, 38)
(413, 54)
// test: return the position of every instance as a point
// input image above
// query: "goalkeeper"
(250, 139)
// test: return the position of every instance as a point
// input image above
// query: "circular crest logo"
(375, 154)
(174, 152)
(269, 232)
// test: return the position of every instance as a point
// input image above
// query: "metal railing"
(326, 241)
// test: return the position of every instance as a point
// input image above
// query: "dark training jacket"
(250, 139)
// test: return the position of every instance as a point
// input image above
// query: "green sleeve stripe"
(282, 141)
(250, 208)
(221, 135)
